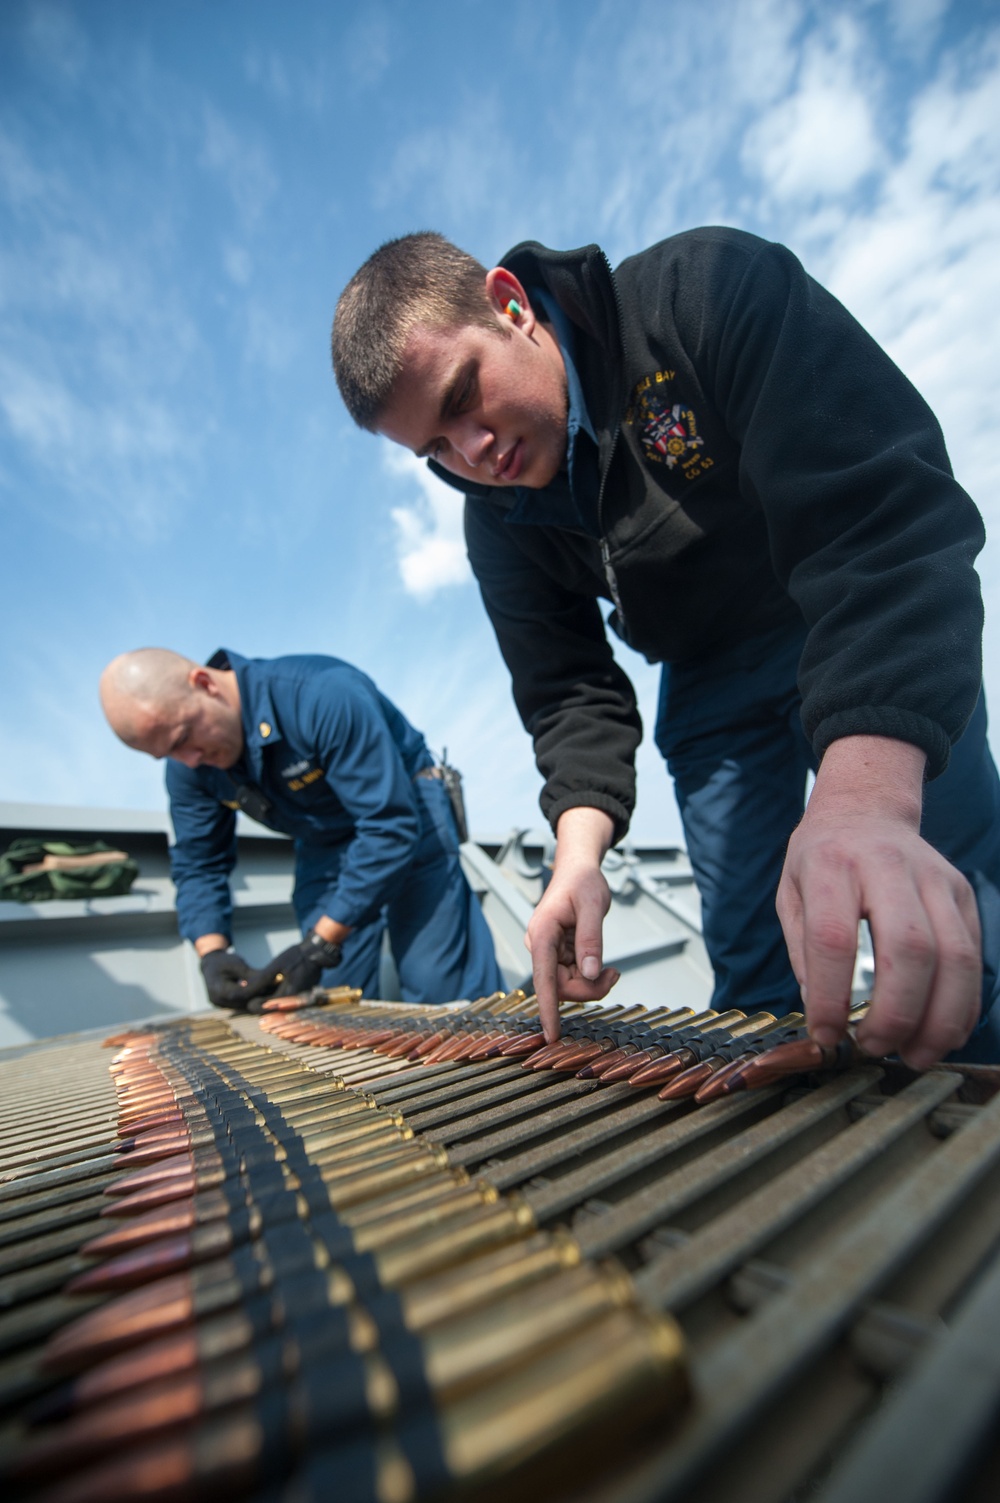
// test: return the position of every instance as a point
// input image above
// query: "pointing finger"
(545, 937)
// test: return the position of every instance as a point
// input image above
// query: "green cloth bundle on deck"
(34, 871)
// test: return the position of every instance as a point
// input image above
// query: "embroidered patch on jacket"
(667, 430)
(307, 777)
(300, 774)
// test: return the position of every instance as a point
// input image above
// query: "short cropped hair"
(418, 279)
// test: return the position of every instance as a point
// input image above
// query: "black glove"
(299, 968)
(229, 981)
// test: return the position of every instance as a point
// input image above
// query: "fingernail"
(876, 1047)
(920, 1059)
(591, 967)
(824, 1035)
(803, 993)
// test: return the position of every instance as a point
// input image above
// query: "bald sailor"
(309, 746)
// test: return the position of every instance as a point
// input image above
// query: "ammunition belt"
(360, 1251)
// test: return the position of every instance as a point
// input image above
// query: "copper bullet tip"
(787, 1059)
(523, 1044)
(287, 1004)
(586, 1050)
(163, 1221)
(687, 1083)
(626, 1067)
(126, 1321)
(659, 1070)
(717, 1085)
(181, 1188)
(140, 1266)
(154, 1174)
(598, 1069)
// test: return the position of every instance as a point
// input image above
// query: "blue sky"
(186, 187)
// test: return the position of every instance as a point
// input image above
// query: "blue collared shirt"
(570, 500)
(335, 761)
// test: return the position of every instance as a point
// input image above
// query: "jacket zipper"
(609, 575)
(609, 572)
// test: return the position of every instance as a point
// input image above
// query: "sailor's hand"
(858, 854)
(564, 935)
(227, 977)
(299, 968)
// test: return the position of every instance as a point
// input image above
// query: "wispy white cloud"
(242, 162)
(429, 536)
(115, 458)
(272, 73)
(298, 81)
(57, 748)
(238, 264)
(55, 39)
(368, 46)
(918, 265)
(821, 140)
(916, 24)
(467, 169)
(759, 56)
(269, 341)
(24, 182)
(95, 350)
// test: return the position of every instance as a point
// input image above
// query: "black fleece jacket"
(761, 459)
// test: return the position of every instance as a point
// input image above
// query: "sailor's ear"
(509, 299)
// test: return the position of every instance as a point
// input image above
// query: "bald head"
(159, 702)
(138, 686)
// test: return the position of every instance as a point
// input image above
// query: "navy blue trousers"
(730, 731)
(440, 941)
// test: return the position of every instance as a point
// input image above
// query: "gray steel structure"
(70, 966)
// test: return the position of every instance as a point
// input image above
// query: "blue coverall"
(330, 761)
